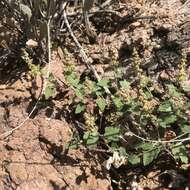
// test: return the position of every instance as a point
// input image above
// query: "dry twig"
(87, 60)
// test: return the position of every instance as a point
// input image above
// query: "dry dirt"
(35, 157)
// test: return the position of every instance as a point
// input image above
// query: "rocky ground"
(36, 156)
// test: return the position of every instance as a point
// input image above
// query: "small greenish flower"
(90, 121)
(182, 67)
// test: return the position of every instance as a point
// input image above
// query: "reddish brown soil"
(35, 156)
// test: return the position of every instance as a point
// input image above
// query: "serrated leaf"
(101, 102)
(124, 84)
(173, 90)
(103, 83)
(147, 95)
(114, 146)
(122, 151)
(91, 85)
(169, 119)
(145, 146)
(74, 143)
(79, 108)
(135, 107)
(184, 159)
(166, 120)
(179, 152)
(79, 93)
(86, 135)
(162, 124)
(73, 80)
(176, 149)
(134, 159)
(98, 93)
(117, 102)
(26, 11)
(49, 91)
(165, 107)
(91, 138)
(112, 133)
(185, 128)
(149, 156)
(73, 146)
(95, 88)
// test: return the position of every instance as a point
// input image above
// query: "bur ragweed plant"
(133, 121)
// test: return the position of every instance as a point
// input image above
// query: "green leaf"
(95, 88)
(79, 108)
(101, 102)
(145, 146)
(91, 138)
(74, 143)
(124, 84)
(26, 11)
(117, 102)
(79, 93)
(73, 146)
(73, 80)
(184, 159)
(169, 119)
(103, 83)
(162, 124)
(173, 90)
(149, 156)
(114, 146)
(185, 128)
(98, 93)
(165, 107)
(179, 153)
(147, 95)
(166, 120)
(49, 91)
(91, 85)
(176, 149)
(134, 159)
(122, 151)
(112, 133)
